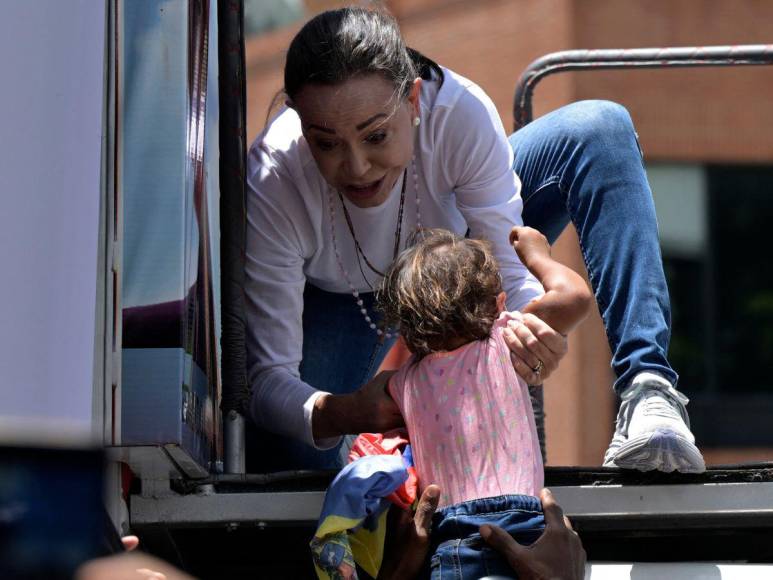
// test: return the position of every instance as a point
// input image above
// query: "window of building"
(714, 222)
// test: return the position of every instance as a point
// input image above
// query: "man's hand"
(367, 410)
(407, 540)
(557, 555)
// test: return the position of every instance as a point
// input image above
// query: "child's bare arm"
(567, 297)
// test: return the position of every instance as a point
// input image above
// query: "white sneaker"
(652, 429)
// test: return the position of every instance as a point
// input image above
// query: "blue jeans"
(340, 353)
(460, 552)
(582, 163)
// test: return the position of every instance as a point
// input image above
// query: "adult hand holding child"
(557, 555)
(368, 409)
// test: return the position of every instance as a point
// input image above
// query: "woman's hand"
(367, 410)
(536, 349)
(372, 408)
(558, 553)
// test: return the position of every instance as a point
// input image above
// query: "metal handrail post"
(232, 94)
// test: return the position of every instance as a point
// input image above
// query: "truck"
(122, 180)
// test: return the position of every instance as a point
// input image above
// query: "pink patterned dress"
(470, 421)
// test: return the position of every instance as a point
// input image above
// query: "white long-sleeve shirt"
(465, 179)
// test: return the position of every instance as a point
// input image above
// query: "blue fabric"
(459, 551)
(583, 163)
(351, 526)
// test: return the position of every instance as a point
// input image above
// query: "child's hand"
(529, 244)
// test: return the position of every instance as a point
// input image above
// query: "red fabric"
(390, 443)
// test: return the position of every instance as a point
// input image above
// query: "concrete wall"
(715, 114)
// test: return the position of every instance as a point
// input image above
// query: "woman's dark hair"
(338, 45)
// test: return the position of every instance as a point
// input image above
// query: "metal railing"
(633, 58)
(638, 58)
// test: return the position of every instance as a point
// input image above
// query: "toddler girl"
(468, 413)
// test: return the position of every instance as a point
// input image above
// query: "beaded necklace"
(358, 249)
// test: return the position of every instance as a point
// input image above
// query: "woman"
(377, 140)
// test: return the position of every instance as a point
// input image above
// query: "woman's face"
(360, 140)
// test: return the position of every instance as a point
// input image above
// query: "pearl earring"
(416, 121)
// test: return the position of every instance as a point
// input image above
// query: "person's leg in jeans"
(582, 163)
(340, 353)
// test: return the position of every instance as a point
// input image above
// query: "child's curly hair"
(440, 291)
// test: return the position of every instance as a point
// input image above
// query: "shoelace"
(632, 398)
(657, 405)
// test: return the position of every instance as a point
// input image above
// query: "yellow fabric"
(366, 546)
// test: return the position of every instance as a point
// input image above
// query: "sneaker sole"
(662, 450)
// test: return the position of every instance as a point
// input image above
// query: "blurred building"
(708, 143)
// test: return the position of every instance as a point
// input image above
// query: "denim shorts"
(460, 552)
